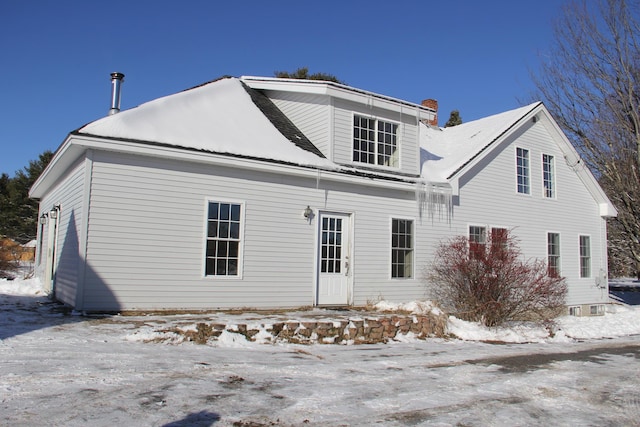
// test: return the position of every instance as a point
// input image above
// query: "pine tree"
(454, 119)
(303, 73)
(19, 213)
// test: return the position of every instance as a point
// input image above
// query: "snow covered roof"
(443, 151)
(218, 117)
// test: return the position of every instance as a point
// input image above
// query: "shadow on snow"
(198, 419)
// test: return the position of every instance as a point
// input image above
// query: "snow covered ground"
(60, 369)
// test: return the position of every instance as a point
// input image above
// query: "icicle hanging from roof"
(435, 200)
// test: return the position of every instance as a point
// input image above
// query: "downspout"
(84, 232)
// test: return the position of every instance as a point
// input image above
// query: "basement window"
(596, 310)
(575, 310)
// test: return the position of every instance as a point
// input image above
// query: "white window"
(548, 176)
(575, 310)
(499, 243)
(553, 254)
(223, 239)
(477, 241)
(522, 171)
(585, 256)
(375, 141)
(401, 248)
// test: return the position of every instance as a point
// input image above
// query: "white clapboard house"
(274, 193)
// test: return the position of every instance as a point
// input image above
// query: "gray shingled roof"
(281, 122)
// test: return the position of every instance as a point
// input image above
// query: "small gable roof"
(218, 117)
(445, 151)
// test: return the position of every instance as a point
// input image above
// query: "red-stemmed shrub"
(492, 283)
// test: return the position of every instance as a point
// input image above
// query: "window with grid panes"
(553, 254)
(522, 170)
(331, 245)
(585, 256)
(477, 240)
(223, 239)
(375, 141)
(548, 176)
(401, 248)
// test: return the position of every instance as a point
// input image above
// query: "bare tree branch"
(590, 82)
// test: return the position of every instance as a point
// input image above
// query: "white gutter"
(76, 145)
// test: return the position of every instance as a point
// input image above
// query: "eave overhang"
(77, 144)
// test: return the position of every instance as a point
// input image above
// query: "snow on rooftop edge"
(444, 150)
(218, 117)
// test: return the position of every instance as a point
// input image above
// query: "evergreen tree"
(454, 119)
(19, 213)
(303, 73)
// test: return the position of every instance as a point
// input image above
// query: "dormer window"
(375, 142)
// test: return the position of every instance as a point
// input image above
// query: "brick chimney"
(432, 104)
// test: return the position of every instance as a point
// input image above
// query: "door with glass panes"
(334, 259)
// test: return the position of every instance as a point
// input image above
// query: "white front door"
(334, 256)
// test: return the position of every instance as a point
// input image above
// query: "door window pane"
(331, 245)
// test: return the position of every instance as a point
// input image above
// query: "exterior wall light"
(53, 214)
(308, 212)
(43, 218)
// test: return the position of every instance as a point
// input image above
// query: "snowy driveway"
(71, 371)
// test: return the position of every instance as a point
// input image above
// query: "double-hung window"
(553, 254)
(499, 241)
(223, 239)
(477, 241)
(401, 248)
(375, 141)
(522, 171)
(585, 256)
(548, 176)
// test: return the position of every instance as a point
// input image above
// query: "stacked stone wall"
(355, 330)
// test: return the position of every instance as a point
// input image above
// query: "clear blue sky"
(56, 56)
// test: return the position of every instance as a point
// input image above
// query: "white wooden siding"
(69, 194)
(147, 230)
(330, 127)
(310, 113)
(488, 196)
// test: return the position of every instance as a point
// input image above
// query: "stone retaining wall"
(357, 330)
